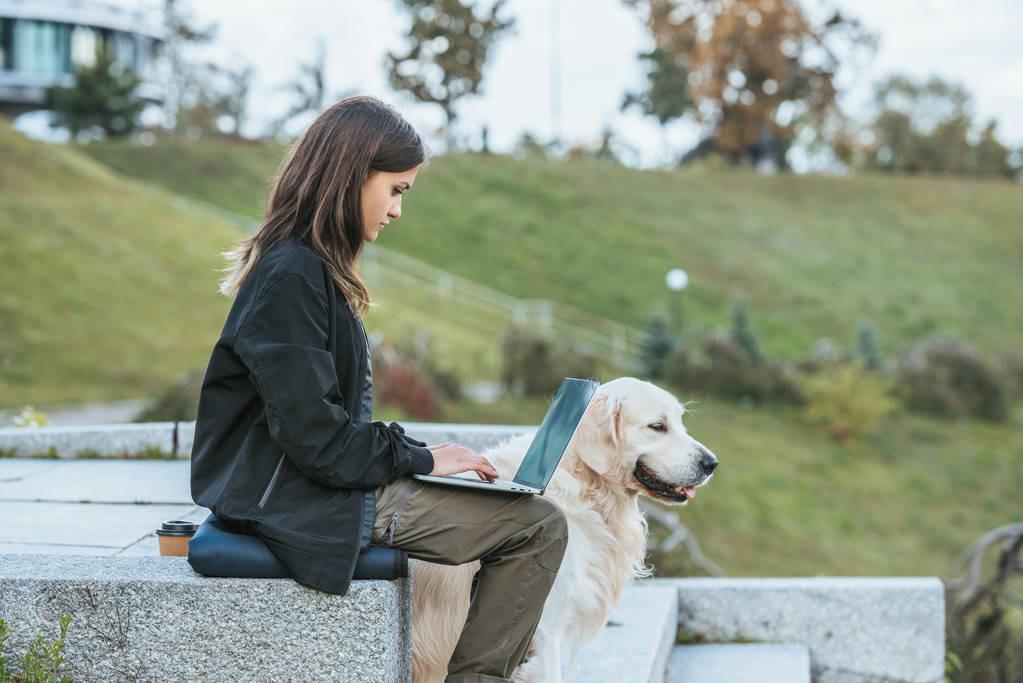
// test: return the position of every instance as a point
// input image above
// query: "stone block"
(153, 618)
(739, 663)
(118, 440)
(857, 629)
(635, 644)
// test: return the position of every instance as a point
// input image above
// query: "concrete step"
(635, 644)
(739, 663)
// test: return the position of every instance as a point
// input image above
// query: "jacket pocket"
(273, 481)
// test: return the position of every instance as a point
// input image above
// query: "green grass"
(811, 254)
(232, 175)
(108, 286)
(787, 501)
(108, 290)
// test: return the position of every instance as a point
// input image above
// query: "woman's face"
(381, 199)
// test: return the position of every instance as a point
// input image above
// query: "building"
(41, 42)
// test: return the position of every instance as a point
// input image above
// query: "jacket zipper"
(397, 514)
(362, 375)
(273, 480)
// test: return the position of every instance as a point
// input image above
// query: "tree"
(755, 71)
(308, 89)
(656, 346)
(742, 335)
(603, 150)
(927, 126)
(991, 157)
(667, 97)
(213, 100)
(529, 145)
(448, 47)
(103, 95)
(866, 346)
(203, 98)
(181, 33)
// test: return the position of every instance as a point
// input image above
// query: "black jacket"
(276, 449)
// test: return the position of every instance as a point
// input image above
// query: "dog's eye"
(659, 427)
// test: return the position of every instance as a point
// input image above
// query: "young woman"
(285, 446)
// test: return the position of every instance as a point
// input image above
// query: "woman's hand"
(450, 458)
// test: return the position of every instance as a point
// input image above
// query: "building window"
(123, 50)
(41, 48)
(6, 44)
(83, 46)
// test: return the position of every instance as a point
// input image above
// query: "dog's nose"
(707, 461)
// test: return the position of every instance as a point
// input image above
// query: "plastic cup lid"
(177, 527)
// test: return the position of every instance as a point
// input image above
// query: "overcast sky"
(977, 43)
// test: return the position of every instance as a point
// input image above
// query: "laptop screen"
(556, 431)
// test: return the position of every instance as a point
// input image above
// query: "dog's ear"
(604, 435)
(613, 408)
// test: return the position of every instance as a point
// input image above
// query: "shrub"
(682, 371)
(946, 377)
(418, 351)
(29, 417)
(825, 353)
(396, 382)
(982, 610)
(43, 661)
(533, 365)
(1010, 366)
(179, 402)
(726, 370)
(848, 401)
(571, 360)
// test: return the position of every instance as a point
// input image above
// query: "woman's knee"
(550, 535)
(550, 518)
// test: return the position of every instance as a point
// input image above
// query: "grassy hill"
(104, 281)
(108, 284)
(224, 173)
(811, 254)
(107, 290)
(787, 501)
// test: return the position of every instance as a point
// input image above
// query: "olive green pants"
(519, 539)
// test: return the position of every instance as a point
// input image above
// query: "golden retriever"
(630, 441)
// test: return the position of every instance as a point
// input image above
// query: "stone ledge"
(153, 618)
(857, 629)
(174, 439)
(473, 436)
(118, 440)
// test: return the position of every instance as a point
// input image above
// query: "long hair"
(317, 191)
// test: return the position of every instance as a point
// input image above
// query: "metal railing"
(600, 336)
(480, 306)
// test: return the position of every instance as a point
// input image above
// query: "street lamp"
(677, 279)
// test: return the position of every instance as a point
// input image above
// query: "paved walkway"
(91, 507)
(88, 413)
(113, 412)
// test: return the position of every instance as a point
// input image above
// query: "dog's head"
(632, 435)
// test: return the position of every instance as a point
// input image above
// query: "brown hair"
(317, 192)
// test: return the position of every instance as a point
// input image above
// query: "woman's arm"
(282, 340)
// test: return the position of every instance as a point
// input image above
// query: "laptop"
(548, 445)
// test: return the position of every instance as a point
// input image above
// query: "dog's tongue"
(690, 492)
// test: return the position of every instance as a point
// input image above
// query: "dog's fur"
(614, 457)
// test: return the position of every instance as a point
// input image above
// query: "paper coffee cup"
(174, 535)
